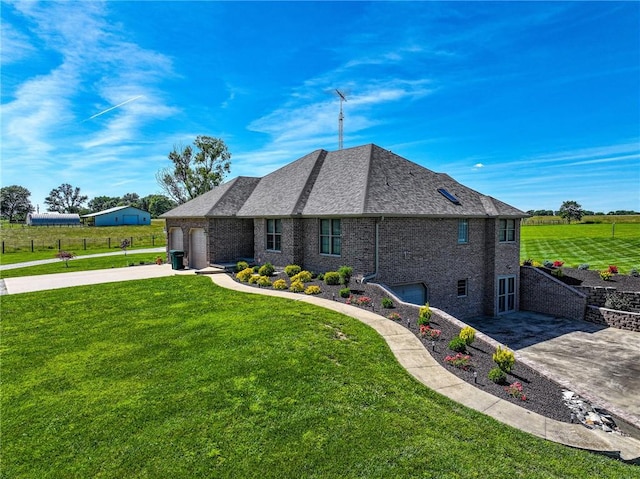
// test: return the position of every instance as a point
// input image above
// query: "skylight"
(449, 196)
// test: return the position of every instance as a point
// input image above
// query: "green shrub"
(292, 270)
(256, 268)
(497, 375)
(634, 272)
(280, 284)
(240, 265)
(558, 273)
(504, 358)
(320, 277)
(583, 266)
(468, 335)
(244, 275)
(345, 273)
(302, 276)
(297, 287)
(254, 279)
(387, 302)
(527, 262)
(332, 278)
(264, 281)
(313, 289)
(266, 269)
(457, 344)
(345, 292)
(424, 316)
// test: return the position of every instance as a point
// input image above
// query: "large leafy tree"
(571, 210)
(194, 173)
(131, 199)
(100, 203)
(14, 203)
(65, 199)
(157, 204)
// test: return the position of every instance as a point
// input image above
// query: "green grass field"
(175, 377)
(27, 243)
(598, 245)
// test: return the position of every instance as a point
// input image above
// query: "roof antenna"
(340, 119)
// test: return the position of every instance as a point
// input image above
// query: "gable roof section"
(223, 200)
(371, 181)
(285, 191)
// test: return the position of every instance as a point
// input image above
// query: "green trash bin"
(177, 259)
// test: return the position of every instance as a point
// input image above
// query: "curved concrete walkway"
(406, 347)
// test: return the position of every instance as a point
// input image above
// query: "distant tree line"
(15, 204)
(194, 171)
(571, 210)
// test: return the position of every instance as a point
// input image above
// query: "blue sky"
(532, 103)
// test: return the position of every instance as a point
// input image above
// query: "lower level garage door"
(414, 293)
(198, 249)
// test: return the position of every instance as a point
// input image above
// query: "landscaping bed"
(587, 277)
(543, 396)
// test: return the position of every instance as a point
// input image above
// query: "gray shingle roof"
(223, 200)
(362, 181)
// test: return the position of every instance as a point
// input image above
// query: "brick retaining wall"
(542, 293)
(598, 295)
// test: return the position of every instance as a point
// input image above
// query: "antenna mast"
(340, 118)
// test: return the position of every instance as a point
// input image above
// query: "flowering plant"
(613, 269)
(427, 332)
(462, 361)
(605, 275)
(515, 391)
(558, 264)
(394, 316)
(364, 301)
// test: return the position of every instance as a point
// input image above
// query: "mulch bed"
(581, 277)
(544, 396)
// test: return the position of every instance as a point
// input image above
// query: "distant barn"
(118, 216)
(53, 219)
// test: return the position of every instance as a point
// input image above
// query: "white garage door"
(414, 293)
(176, 240)
(198, 249)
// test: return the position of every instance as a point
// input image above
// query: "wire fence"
(81, 244)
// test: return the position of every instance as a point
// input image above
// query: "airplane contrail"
(114, 107)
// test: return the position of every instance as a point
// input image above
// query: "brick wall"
(230, 239)
(542, 293)
(616, 319)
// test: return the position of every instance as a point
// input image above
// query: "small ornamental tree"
(124, 244)
(65, 256)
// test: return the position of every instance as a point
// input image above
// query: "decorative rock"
(589, 416)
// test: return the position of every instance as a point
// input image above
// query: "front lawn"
(175, 377)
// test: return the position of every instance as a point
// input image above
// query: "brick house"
(421, 233)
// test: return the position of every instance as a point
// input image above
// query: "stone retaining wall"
(542, 293)
(616, 319)
(598, 295)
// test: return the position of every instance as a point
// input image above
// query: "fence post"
(84, 243)
(109, 242)
(3, 247)
(131, 242)
(153, 240)
(32, 246)
(59, 245)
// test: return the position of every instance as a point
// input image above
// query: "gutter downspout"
(373, 275)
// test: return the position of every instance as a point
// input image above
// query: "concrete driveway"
(598, 363)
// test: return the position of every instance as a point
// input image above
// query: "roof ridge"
(311, 180)
(229, 189)
(366, 186)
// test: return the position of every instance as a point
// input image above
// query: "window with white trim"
(330, 237)
(274, 235)
(463, 231)
(507, 231)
